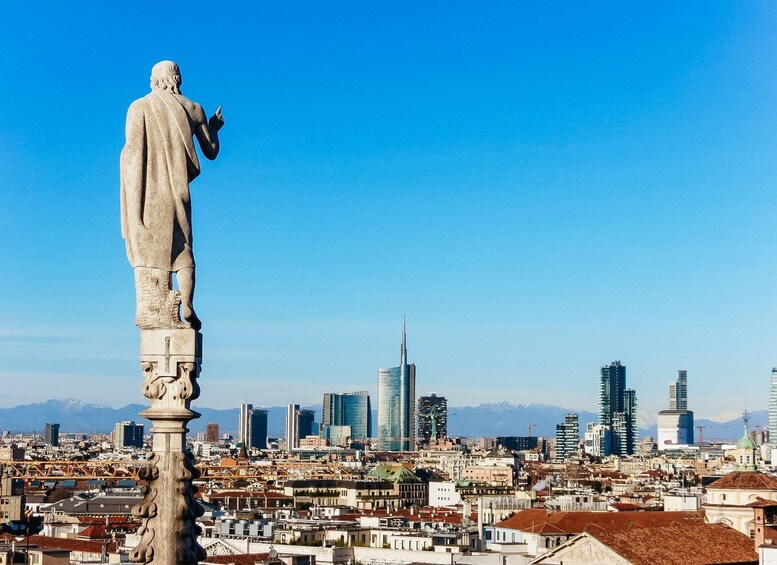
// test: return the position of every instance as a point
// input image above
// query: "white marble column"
(170, 361)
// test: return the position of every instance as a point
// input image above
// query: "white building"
(675, 429)
(443, 493)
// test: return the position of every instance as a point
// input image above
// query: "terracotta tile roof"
(535, 520)
(754, 480)
(762, 503)
(47, 542)
(686, 543)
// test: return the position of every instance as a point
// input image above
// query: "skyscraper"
(292, 427)
(348, 409)
(675, 426)
(257, 433)
(773, 409)
(618, 409)
(212, 433)
(396, 403)
(306, 420)
(128, 434)
(613, 383)
(678, 392)
(432, 418)
(567, 437)
(51, 435)
(252, 427)
(244, 424)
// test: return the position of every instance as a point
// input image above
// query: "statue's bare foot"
(191, 317)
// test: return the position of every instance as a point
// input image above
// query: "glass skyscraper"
(432, 418)
(396, 404)
(348, 409)
(252, 427)
(618, 409)
(678, 392)
(773, 409)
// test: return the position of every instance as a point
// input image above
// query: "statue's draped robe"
(157, 163)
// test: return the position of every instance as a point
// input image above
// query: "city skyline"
(480, 171)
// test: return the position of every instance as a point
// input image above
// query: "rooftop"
(682, 543)
(753, 480)
(540, 521)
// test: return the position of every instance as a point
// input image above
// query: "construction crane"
(530, 427)
(701, 434)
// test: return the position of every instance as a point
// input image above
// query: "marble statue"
(157, 164)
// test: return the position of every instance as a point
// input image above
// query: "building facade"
(598, 440)
(432, 418)
(128, 434)
(678, 392)
(675, 426)
(396, 404)
(351, 409)
(567, 437)
(51, 435)
(252, 427)
(243, 423)
(258, 432)
(292, 427)
(773, 409)
(618, 409)
(306, 423)
(212, 433)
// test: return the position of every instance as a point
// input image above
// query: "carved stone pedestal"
(170, 360)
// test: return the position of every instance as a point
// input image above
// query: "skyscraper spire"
(403, 353)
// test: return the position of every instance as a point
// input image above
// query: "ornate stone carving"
(170, 362)
(157, 303)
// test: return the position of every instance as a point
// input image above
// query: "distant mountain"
(76, 416)
(484, 420)
(731, 430)
(505, 419)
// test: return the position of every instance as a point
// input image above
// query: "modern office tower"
(567, 437)
(51, 435)
(518, 443)
(675, 426)
(396, 404)
(432, 418)
(613, 383)
(257, 432)
(292, 427)
(306, 423)
(678, 392)
(351, 409)
(244, 424)
(630, 414)
(252, 427)
(773, 409)
(618, 409)
(598, 440)
(128, 434)
(212, 433)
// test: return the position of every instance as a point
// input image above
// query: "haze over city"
(539, 190)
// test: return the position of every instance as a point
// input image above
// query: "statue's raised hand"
(216, 121)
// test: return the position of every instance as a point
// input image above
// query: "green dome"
(746, 443)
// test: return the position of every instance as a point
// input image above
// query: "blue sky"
(541, 189)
